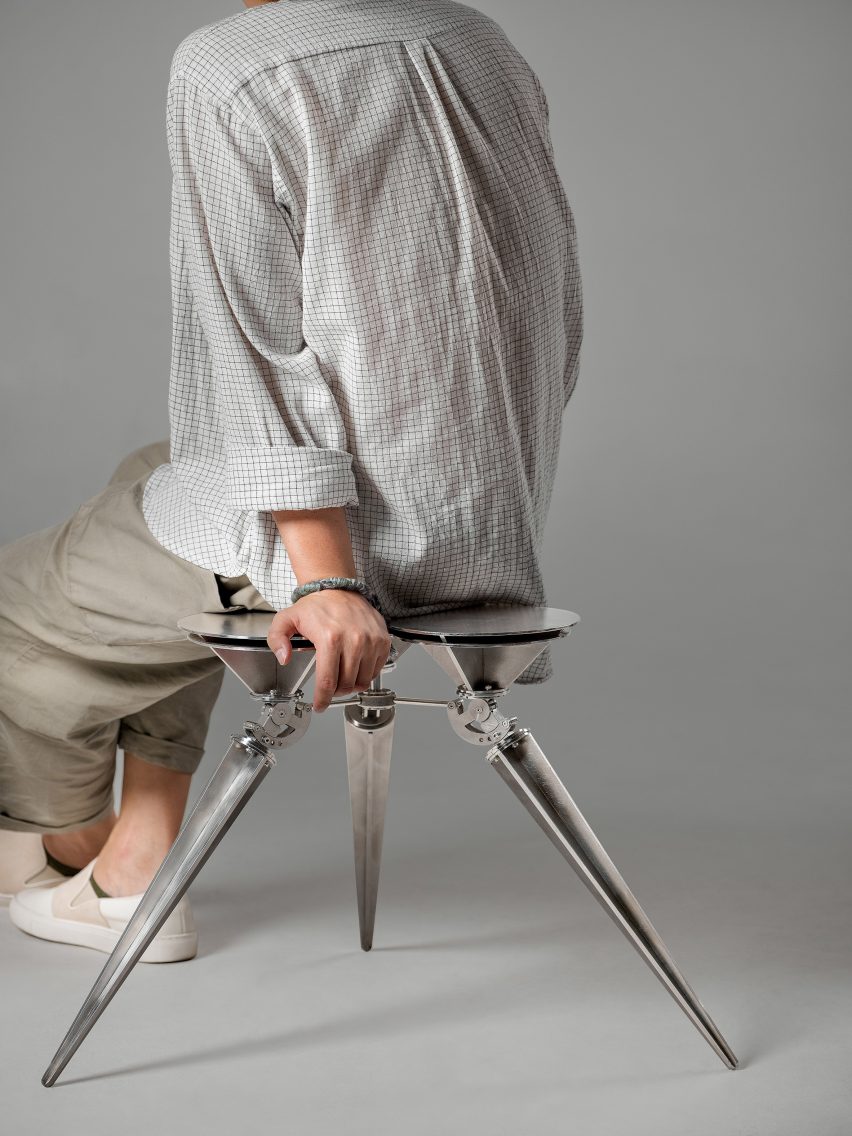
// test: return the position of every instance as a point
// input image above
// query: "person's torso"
(410, 152)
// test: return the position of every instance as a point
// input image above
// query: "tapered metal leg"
(522, 765)
(238, 775)
(369, 740)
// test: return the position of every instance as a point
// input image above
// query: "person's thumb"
(279, 638)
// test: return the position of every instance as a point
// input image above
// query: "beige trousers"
(91, 657)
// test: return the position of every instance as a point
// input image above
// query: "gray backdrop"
(699, 713)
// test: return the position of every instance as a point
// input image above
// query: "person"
(377, 320)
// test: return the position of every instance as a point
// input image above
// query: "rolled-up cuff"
(289, 477)
(15, 824)
(171, 754)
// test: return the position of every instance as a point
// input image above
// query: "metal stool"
(483, 650)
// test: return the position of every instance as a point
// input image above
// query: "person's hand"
(351, 638)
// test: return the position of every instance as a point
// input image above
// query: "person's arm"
(317, 542)
(285, 438)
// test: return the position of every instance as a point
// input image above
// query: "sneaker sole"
(173, 948)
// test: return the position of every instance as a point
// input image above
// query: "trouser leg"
(91, 657)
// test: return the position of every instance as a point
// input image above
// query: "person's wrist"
(342, 583)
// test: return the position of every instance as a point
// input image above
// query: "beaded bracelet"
(347, 583)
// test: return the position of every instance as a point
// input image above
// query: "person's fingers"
(364, 662)
(372, 667)
(327, 671)
(278, 640)
(352, 662)
(380, 663)
(366, 670)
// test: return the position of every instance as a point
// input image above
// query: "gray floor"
(499, 997)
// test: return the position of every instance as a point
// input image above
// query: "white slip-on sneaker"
(72, 912)
(23, 864)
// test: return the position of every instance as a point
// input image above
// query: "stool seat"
(480, 625)
(247, 630)
(486, 624)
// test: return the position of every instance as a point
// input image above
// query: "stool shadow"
(434, 1008)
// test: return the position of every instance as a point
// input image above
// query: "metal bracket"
(474, 716)
(283, 723)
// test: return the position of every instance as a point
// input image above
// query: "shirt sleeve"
(285, 438)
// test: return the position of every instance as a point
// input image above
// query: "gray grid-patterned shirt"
(376, 300)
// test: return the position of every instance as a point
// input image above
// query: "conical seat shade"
(239, 639)
(488, 645)
(481, 667)
(260, 671)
